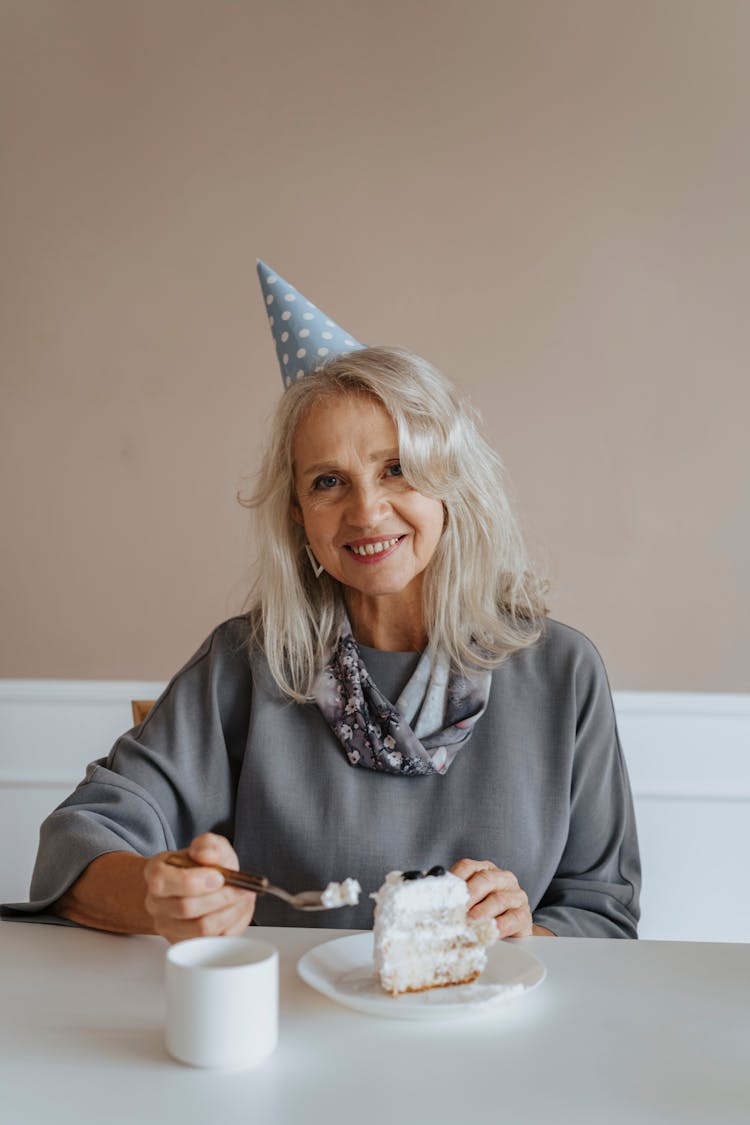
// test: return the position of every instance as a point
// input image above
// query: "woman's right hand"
(190, 902)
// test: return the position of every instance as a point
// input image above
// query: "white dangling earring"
(317, 568)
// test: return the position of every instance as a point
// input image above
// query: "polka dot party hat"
(304, 336)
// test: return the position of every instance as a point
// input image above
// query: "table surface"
(619, 1032)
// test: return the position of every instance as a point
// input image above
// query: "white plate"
(343, 970)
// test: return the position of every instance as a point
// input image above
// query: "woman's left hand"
(494, 893)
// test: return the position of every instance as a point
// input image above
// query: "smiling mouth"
(370, 550)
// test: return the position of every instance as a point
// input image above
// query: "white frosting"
(400, 901)
(422, 936)
(341, 894)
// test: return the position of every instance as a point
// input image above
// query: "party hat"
(305, 337)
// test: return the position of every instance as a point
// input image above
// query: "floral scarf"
(421, 733)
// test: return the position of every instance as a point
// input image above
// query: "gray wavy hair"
(481, 601)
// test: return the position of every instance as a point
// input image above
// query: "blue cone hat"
(305, 337)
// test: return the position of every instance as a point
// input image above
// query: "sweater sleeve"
(595, 890)
(163, 783)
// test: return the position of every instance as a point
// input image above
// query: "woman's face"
(370, 529)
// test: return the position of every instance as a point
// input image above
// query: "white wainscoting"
(688, 757)
(49, 731)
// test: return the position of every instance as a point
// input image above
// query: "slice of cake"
(422, 936)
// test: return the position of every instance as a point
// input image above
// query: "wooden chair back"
(140, 709)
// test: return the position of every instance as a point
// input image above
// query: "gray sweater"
(540, 789)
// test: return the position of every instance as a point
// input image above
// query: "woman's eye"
(325, 482)
(394, 470)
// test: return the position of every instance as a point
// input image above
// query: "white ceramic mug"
(222, 1001)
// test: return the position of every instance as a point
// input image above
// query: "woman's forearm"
(109, 895)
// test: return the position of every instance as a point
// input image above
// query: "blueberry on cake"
(422, 936)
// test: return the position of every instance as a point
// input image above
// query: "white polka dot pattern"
(307, 337)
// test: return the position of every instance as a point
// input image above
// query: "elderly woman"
(394, 698)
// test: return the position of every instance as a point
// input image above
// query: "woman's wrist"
(109, 895)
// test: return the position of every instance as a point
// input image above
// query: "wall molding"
(688, 745)
(76, 691)
(51, 729)
(677, 744)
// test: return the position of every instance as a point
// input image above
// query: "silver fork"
(305, 900)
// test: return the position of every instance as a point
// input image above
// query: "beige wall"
(548, 199)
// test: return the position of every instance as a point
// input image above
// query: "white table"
(619, 1032)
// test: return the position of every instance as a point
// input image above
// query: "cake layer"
(413, 971)
(405, 979)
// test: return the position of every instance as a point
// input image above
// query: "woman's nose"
(367, 506)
